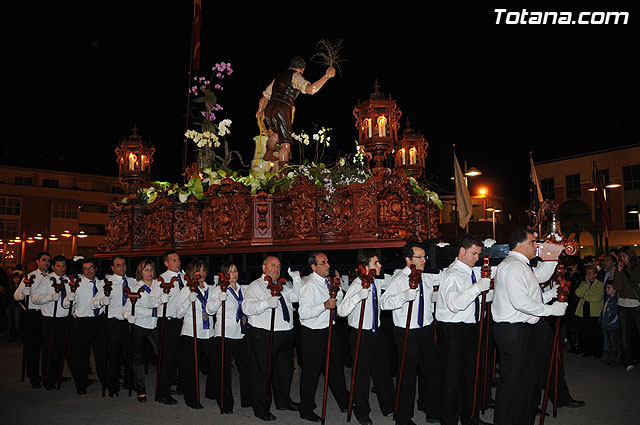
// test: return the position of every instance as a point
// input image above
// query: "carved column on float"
(262, 208)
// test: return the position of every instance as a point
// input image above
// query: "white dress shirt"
(518, 298)
(37, 276)
(144, 306)
(392, 299)
(352, 300)
(41, 295)
(118, 298)
(83, 304)
(184, 310)
(232, 328)
(258, 312)
(457, 294)
(313, 294)
(156, 291)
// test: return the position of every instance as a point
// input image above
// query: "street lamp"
(637, 212)
(493, 212)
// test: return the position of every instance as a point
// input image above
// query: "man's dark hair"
(518, 236)
(588, 259)
(364, 257)
(298, 62)
(468, 241)
(407, 251)
(312, 260)
(88, 261)
(40, 254)
(115, 257)
(167, 253)
(58, 259)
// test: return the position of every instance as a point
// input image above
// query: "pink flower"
(218, 87)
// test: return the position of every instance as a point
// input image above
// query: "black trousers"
(170, 345)
(544, 332)
(518, 389)
(236, 349)
(281, 368)
(458, 347)
(87, 335)
(52, 356)
(141, 337)
(33, 345)
(314, 352)
(186, 366)
(373, 361)
(422, 361)
(117, 347)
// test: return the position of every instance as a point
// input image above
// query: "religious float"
(373, 198)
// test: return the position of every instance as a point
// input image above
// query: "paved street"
(611, 395)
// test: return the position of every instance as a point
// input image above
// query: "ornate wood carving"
(295, 211)
(118, 228)
(334, 216)
(263, 224)
(227, 213)
(187, 227)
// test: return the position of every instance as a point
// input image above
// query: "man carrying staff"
(420, 343)
(33, 337)
(373, 358)
(458, 314)
(276, 106)
(118, 327)
(316, 309)
(258, 304)
(517, 306)
(44, 295)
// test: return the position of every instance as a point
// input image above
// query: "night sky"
(496, 91)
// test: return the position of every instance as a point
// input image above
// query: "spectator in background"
(611, 327)
(625, 281)
(610, 262)
(575, 274)
(590, 293)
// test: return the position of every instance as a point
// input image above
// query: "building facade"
(36, 204)
(571, 179)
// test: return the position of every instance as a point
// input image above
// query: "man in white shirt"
(33, 336)
(316, 310)
(373, 357)
(518, 304)
(88, 330)
(258, 306)
(420, 339)
(173, 324)
(458, 314)
(50, 302)
(118, 327)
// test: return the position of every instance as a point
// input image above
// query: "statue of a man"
(276, 106)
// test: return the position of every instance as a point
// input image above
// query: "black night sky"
(496, 91)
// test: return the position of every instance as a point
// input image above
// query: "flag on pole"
(601, 198)
(536, 192)
(463, 198)
(197, 25)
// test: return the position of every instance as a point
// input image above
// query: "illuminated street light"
(473, 172)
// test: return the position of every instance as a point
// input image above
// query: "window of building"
(631, 177)
(10, 206)
(547, 189)
(93, 208)
(93, 229)
(65, 210)
(631, 218)
(23, 181)
(9, 228)
(50, 183)
(572, 186)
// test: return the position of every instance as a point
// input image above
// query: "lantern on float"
(377, 123)
(411, 151)
(134, 161)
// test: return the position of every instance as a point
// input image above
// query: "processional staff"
(28, 282)
(73, 285)
(223, 282)
(275, 289)
(166, 288)
(133, 297)
(106, 288)
(334, 287)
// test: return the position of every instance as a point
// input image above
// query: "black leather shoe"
(574, 403)
(142, 398)
(168, 400)
(293, 407)
(226, 411)
(81, 391)
(311, 417)
(113, 394)
(365, 420)
(194, 405)
(36, 385)
(432, 419)
(265, 416)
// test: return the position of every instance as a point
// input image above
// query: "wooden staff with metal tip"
(193, 286)
(275, 289)
(365, 279)
(28, 282)
(223, 283)
(57, 287)
(133, 297)
(166, 288)
(73, 285)
(334, 287)
(485, 274)
(106, 288)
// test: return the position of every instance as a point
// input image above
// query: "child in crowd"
(611, 326)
